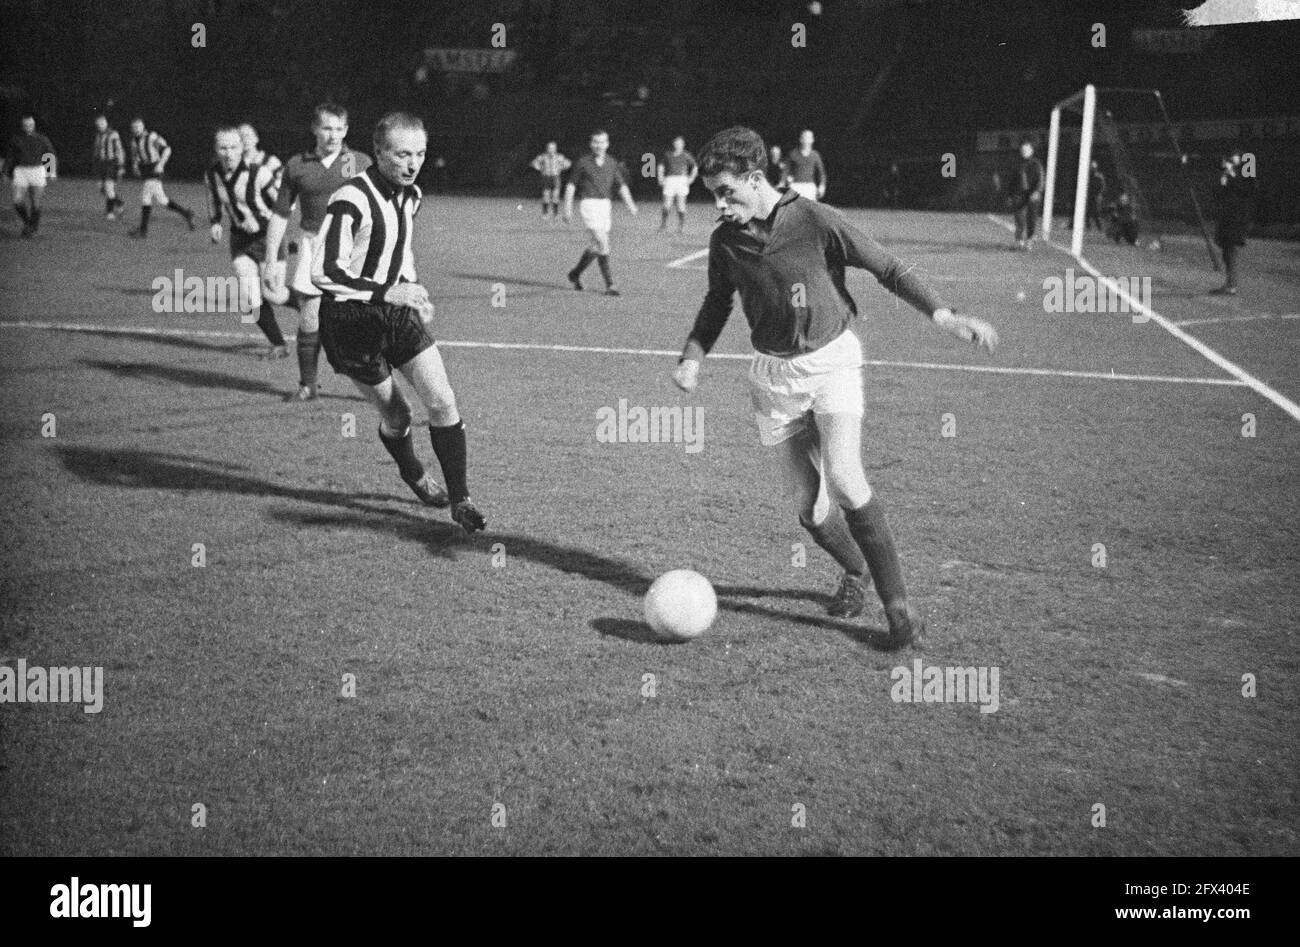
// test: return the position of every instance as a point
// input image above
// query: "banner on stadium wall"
(469, 60)
(1149, 132)
(1171, 41)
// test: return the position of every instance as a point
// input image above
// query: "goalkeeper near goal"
(787, 255)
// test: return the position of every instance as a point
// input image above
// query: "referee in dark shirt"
(374, 316)
(786, 255)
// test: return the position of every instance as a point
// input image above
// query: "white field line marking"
(1205, 322)
(1272, 394)
(689, 258)
(602, 350)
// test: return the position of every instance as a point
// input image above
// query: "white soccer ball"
(681, 604)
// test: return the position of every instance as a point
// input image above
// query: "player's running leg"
(395, 434)
(250, 299)
(428, 376)
(20, 205)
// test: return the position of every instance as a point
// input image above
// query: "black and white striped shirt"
(146, 151)
(108, 148)
(247, 194)
(367, 238)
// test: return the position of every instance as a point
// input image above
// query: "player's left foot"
(468, 516)
(430, 492)
(304, 393)
(1224, 291)
(905, 627)
(574, 281)
(275, 353)
(850, 598)
(611, 291)
(189, 219)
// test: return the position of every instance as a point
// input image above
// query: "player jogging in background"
(776, 170)
(595, 178)
(308, 181)
(806, 376)
(244, 193)
(805, 172)
(550, 164)
(29, 160)
(253, 154)
(108, 163)
(677, 172)
(149, 156)
(375, 317)
(1027, 195)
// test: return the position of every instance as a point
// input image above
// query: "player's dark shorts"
(251, 245)
(550, 182)
(365, 340)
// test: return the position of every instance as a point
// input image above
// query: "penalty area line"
(147, 331)
(689, 258)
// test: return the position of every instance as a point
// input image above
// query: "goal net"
(1114, 162)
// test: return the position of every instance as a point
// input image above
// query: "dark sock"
(183, 211)
(449, 444)
(144, 217)
(402, 449)
(681, 220)
(663, 218)
(21, 210)
(36, 218)
(833, 535)
(871, 531)
(270, 328)
(1230, 265)
(108, 205)
(583, 262)
(603, 261)
(308, 357)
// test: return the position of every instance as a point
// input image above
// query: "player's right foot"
(905, 627)
(468, 516)
(275, 353)
(189, 219)
(574, 281)
(611, 291)
(110, 216)
(137, 233)
(850, 598)
(304, 393)
(430, 492)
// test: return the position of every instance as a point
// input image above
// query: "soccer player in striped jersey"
(594, 179)
(308, 180)
(375, 316)
(244, 193)
(29, 160)
(149, 156)
(253, 154)
(108, 161)
(677, 171)
(551, 164)
(804, 169)
(786, 255)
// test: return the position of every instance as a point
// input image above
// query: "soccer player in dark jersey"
(149, 156)
(1027, 195)
(805, 171)
(308, 180)
(245, 193)
(595, 178)
(550, 164)
(677, 172)
(375, 317)
(1235, 210)
(806, 376)
(108, 163)
(776, 170)
(29, 160)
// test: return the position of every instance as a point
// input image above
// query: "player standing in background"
(777, 175)
(253, 154)
(806, 376)
(149, 156)
(677, 172)
(29, 160)
(1096, 198)
(1235, 210)
(550, 164)
(1027, 195)
(595, 177)
(308, 180)
(375, 316)
(108, 163)
(804, 169)
(244, 192)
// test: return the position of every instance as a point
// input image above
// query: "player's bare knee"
(848, 487)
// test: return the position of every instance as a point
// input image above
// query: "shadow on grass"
(197, 378)
(511, 280)
(160, 471)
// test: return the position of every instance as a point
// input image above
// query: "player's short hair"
(599, 131)
(393, 121)
(225, 127)
(738, 149)
(329, 108)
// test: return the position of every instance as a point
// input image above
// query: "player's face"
(599, 145)
(101, 124)
(735, 197)
(29, 125)
(402, 156)
(330, 130)
(137, 128)
(679, 144)
(230, 149)
(806, 140)
(550, 148)
(249, 137)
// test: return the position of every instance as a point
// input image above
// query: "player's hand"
(407, 294)
(568, 213)
(215, 233)
(273, 276)
(632, 209)
(687, 375)
(821, 193)
(969, 329)
(249, 226)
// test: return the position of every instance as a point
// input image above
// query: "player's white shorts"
(804, 189)
(25, 176)
(676, 185)
(595, 213)
(152, 192)
(301, 281)
(786, 392)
